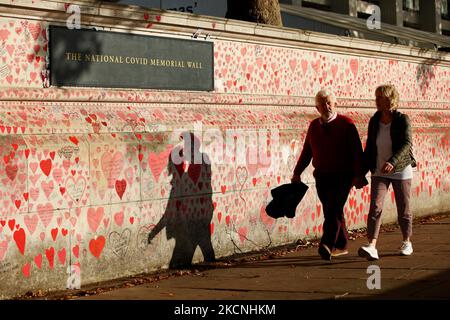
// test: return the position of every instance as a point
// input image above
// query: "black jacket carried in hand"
(286, 199)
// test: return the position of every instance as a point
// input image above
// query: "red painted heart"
(121, 186)
(50, 254)
(46, 166)
(11, 171)
(96, 246)
(20, 239)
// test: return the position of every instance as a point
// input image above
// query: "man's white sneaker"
(369, 252)
(406, 248)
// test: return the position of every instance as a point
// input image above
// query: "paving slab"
(302, 275)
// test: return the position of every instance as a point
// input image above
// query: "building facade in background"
(425, 15)
(401, 20)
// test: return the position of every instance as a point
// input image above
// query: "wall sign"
(89, 58)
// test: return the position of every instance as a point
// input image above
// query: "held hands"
(387, 168)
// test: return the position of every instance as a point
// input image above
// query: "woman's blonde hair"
(389, 91)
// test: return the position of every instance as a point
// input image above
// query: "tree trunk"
(260, 11)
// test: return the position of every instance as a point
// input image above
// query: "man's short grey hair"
(325, 93)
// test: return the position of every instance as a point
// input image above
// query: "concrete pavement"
(299, 274)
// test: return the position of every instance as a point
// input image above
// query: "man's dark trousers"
(333, 190)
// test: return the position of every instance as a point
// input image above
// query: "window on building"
(445, 5)
(377, 2)
(411, 5)
(317, 4)
(363, 15)
(322, 2)
(365, 8)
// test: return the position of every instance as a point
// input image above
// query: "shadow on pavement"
(435, 287)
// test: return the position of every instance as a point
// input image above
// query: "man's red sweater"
(334, 147)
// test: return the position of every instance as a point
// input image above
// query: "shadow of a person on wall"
(189, 210)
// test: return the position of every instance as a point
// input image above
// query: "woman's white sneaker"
(369, 252)
(406, 248)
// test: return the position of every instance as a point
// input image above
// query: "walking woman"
(388, 156)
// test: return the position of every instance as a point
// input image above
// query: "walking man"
(333, 144)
